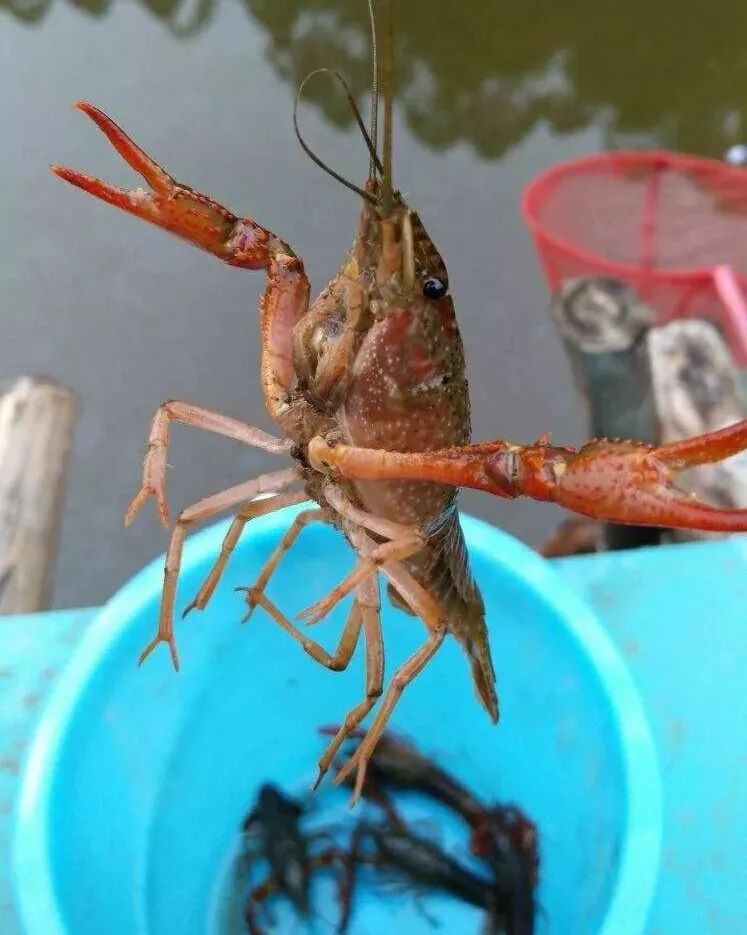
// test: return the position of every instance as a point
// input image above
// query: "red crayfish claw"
(621, 481)
(607, 479)
(171, 205)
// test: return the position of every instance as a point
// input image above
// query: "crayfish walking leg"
(364, 614)
(175, 410)
(370, 607)
(252, 510)
(198, 512)
(425, 607)
(268, 569)
(403, 542)
(337, 661)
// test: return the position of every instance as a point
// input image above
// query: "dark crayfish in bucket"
(368, 388)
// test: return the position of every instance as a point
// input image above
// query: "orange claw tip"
(152, 645)
(88, 183)
(705, 449)
(72, 176)
(345, 770)
(98, 116)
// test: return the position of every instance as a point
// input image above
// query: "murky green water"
(489, 94)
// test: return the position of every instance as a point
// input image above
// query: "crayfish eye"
(434, 288)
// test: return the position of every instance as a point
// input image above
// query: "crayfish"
(273, 833)
(367, 386)
(501, 836)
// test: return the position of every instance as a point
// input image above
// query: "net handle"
(735, 305)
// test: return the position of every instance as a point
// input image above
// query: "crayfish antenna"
(387, 90)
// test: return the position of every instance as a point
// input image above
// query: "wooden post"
(36, 427)
(604, 326)
(697, 389)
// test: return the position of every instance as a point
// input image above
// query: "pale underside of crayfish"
(367, 386)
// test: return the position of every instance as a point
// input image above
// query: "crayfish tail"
(447, 576)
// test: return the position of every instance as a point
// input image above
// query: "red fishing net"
(673, 227)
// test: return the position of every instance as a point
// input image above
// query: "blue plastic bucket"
(138, 779)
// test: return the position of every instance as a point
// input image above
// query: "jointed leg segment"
(425, 607)
(202, 510)
(251, 511)
(404, 541)
(289, 537)
(367, 565)
(175, 410)
(367, 599)
(365, 614)
(337, 661)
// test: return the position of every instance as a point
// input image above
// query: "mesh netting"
(673, 227)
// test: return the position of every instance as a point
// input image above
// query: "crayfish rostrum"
(368, 389)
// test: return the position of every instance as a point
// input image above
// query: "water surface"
(490, 93)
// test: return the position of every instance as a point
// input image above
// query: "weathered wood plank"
(656, 384)
(36, 428)
(604, 327)
(697, 388)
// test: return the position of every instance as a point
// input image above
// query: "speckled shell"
(402, 387)
(409, 392)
